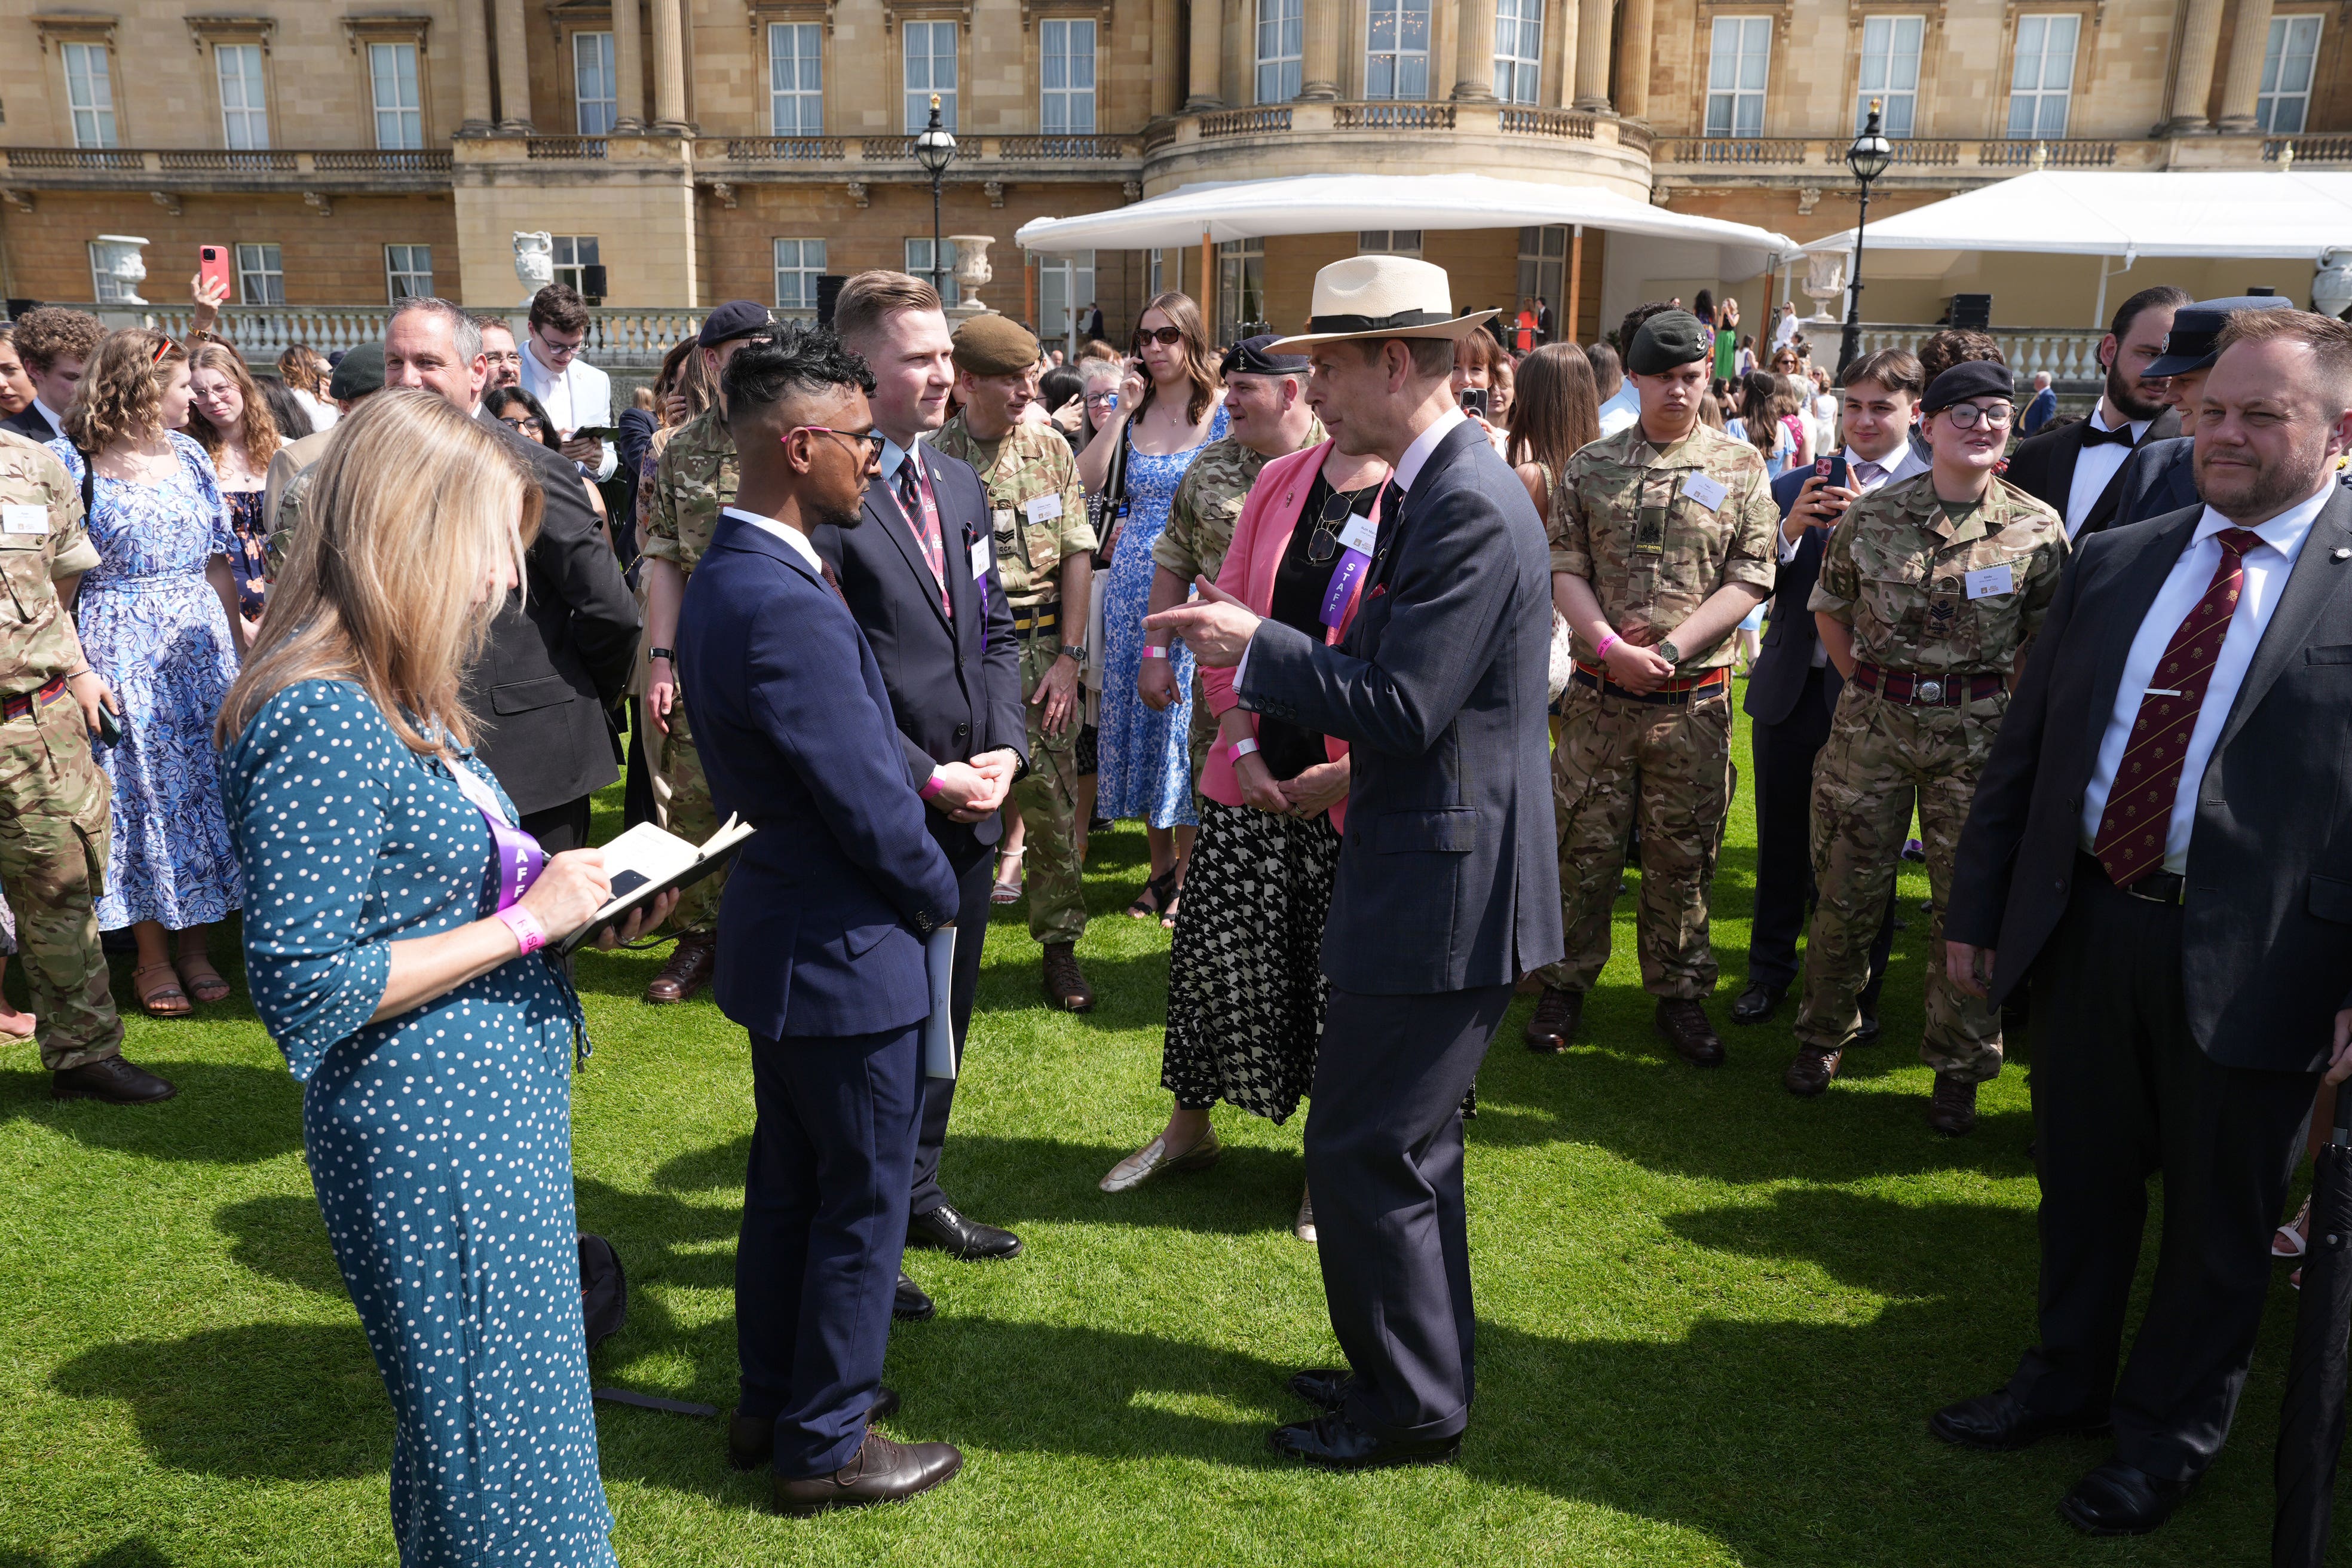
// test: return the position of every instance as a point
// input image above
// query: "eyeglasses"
(870, 440)
(1968, 416)
(523, 422)
(558, 351)
(1166, 337)
(1324, 542)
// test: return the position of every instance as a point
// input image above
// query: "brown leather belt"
(1927, 690)
(1680, 689)
(24, 702)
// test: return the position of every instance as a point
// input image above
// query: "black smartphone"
(1833, 468)
(110, 729)
(1474, 400)
(597, 433)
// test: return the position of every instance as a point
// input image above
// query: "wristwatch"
(1077, 651)
(669, 653)
(1669, 652)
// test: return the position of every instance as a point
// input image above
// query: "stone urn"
(534, 261)
(1825, 281)
(117, 259)
(971, 273)
(2331, 288)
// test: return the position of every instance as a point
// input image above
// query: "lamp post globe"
(935, 149)
(1868, 158)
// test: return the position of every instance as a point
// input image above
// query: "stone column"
(514, 71)
(1320, 78)
(1634, 61)
(1591, 55)
(1166, 26)
(669, 67)
(2244, 82)
(628, 67)
(1559, 48)
(2192, 87)
(473, 68)
(1208, 56)
(1474, 52)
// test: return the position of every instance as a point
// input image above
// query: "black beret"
(357, 374)
(1248, 357)
(735, 319)
(1666, 340)
(1967, 379)
(994, 345)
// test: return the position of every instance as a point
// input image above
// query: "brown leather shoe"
(1809, 1076)
(1066, 987)
(1553, 1024)
(1686, 1027)
(688, 969)
(1952, 1107)
(750, 1441)
(880, 1471)
(112, 1080)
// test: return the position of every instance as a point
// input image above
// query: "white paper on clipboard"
(939, 1034)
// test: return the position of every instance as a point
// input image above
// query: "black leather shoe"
(1952, 1106)
(1552, 1024)
(112, 1080)
(1758, 1002)
(1809, 1076)
(880, 1471)
(1997, 1424)
(1324, 1387)
(1868, 1034)
(2117, 1499)
(909, 1305)
(1685, 1027)
(966, 1240)
(750, 1442)
(1336, 1443)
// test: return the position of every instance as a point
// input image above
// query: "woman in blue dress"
(397, 971)
(156, 620)
(1171, 406)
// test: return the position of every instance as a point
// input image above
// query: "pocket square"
(1378, 589)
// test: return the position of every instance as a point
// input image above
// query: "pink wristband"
(931, 787)
(1150, 652)
(526, 928)
(1611, 640)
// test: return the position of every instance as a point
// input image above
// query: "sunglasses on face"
(1166, 337)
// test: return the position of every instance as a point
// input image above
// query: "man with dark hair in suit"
(2072, 469)
(53, 344)
(2160, 476)
(1446, 890)
(2157, 847)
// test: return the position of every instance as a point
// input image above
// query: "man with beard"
(2072, 469)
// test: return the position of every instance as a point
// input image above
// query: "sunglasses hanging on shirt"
(1325, 543)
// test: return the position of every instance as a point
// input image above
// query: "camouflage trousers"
(1668, 767)
(56, 811)
(1881, 758)
(682, 797)
(1049, 808)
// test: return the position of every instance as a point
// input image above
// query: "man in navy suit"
(922, 579)
(821, 933)
(1447, 888)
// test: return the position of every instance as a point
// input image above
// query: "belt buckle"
(1928, 691)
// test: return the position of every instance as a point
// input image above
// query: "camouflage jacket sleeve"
(1756, 541)
(659, 541)
(1176, 549)
(1839, 584)
(1571, 526)
(70, 543)
(1078, 533)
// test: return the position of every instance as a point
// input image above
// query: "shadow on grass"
(136, 1552)
(225, 1114)
(283, 1237)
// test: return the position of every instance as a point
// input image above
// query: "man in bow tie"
(2072, 469)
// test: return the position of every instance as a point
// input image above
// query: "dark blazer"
(2043, 468)
(2267, 932)
(559, 654)
(2040, 411)
(27, 422)
(821, 928)
(1448, 874)
(2159, 476)
(1777, 676)
(956, 691)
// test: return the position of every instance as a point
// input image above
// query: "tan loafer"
(1305, 1228)
(1155, 1159)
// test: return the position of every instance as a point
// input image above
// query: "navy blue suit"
(821, 936)
(2157, 478)
(1447, 891)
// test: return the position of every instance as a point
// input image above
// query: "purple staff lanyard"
(519, 859)
(1356, 540)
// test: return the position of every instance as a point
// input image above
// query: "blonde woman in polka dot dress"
(401, 979)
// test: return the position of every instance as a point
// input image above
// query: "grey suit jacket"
(1448, 875)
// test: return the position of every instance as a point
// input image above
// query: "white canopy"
(2070, 212)
(1335, 204)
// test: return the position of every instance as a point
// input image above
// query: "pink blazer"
(1260, 536)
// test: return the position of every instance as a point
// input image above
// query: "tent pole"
(1575, 302)
(1208, 286)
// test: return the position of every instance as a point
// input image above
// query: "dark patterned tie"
(2130, 843)
(925, 522)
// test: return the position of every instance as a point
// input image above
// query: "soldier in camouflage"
(1044, 557)
(1664, 537)
(56, 808)
(693, 479)
(1930, 591)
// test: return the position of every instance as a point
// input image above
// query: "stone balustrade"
(2067, 354)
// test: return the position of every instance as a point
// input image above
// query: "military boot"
(1686, 1027)
(1553, 1024)
(1066, 987)
(1952, 1106)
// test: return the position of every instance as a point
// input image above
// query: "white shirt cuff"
(1789, 547)
(1240, 673)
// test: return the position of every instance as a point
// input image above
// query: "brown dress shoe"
(112, 1080)
(1952, 1107)
(880, 1471)
(1686, 1027)
(1553, 1024)
(750, 1441)
(1810, 1074)
(688, 969)
(1066, 988)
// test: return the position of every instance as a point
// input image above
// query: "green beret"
(994, 345)
(1666, 340)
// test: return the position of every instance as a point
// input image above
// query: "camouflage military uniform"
(1623, 517)
(1896, 571)
(1040, 519)
(693, 478)
(56, 808)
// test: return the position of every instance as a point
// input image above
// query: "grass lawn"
(1712, 1318)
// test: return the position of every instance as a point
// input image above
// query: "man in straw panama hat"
(1446, 890)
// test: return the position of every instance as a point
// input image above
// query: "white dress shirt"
(1620, 410)
(791, 536)
(1863, 476)
(2265, 567)
(574, 398)
(2094, 465)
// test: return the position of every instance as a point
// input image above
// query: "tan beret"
(994, 345)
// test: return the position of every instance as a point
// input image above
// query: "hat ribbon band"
(1318, 324)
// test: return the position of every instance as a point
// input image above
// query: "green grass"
(1712, 1318)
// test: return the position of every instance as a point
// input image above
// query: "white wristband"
(1246, 746)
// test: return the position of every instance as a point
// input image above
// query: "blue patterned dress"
(439, 1142)
(1146, 761)
(154, 629)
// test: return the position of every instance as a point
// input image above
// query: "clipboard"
(646, 862)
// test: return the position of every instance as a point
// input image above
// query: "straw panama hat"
(1380, 296)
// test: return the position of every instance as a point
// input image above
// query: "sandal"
(1161, 890)
(204, 985)
(1169, 905)
(1007, 890)
(165, 1001)
(2290, 1240)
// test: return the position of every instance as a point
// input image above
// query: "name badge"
(978, 558)
(1991, 581)
(1044, 509)
(1706, 489)
(1360, 534)
(24, 518)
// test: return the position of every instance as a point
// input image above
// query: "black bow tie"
(2093, 436)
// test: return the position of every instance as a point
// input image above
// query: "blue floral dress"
(439, 1142)
(1145, 762)
(154, 629)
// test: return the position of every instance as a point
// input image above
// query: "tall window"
(1066, 51)
(931, 67)
(1734, 75)
(1240, 286)
(407, 272)
(2043, 74)
(799, 264)
(105, 286)
(1396, 52)
(1066, 287)
(245, 117)
(575, 252)
(1281, 48)
(1543, 254)
(2284, 106)
(595, 89)
(90, 95)
(1518, 50)
(919, 255)
(1389, 242)
(399, 110)
(796, 82)
(1890, 72)
(261, 274)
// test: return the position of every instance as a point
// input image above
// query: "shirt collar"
(57, 422)
(791, 536)
(2285, 533)
(1899, 464)
(894, 454)
(1416, 456)
(534, 370)
(2099, 422)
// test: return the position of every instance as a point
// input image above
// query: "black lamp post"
(935, 149)
(1868, 158)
